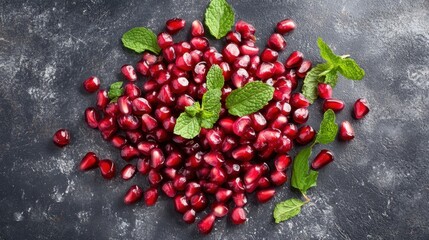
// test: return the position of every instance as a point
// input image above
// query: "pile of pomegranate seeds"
(219, 169)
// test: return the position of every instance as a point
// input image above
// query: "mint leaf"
(115, 91)
(214, 78)
(328, 128)
(350, 69)
(219, 18)
(187, 126)
(331, 78)
(287, 209)
(326, 52)
(249, 99)
(194, 109)
(309, 88)
(302, 177)
(211, 106)
(141, 39)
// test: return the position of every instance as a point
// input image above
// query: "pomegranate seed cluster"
(219, 169)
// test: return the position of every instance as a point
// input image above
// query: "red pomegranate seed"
(279, 69)
(305, 134)
(322, 159)
(146, 147)
(298, 100)
(217, 176)
(154, 177)
(143, 166)
(157, 158)
(92, 117)
(238, 216)
(206, 224)
(267, 137)
(179, 182)
(231, 52)
(214, 138)
(174, 159)
(214, 158)
(189, 216)
(346, 131)
(258, 121)
(285, 26)
(179, 85)
(134, 136)
(300, 115)
(143, 67)
(276, 42)
(219, 209)
(162, 77)
(199, 43)
(284, 144)
(140, 106)
(249, 50)
(124, 105)
(263, 183)
(361, 108)
(133, 195)
(243, 153)
(279, 123)
(294, 59)
(245, 29)
(182, 48)
(61, 137)
(291, 131)
(181, 204)
(240, 199)
(107, 168)
(192, 188)
(252, 174)
(118, 141)
(199, 202)
(112, 109)
(223, 195)
(129, 152)
(128, 122)
(265, 70)
(102, 99)
(233, 37)
(129, 72)
(164, 40)
(241, 125)
(240, 77)
(282, 162)
(236, 184)
(168, 189)
(269, 55)
(184, 62)
(303, 68)
(89, 161)
(169, 54)
(148, 123)
(151, 196)
(226, 71)
(226, 124)
(150, 85)
(265, 195)
(335, 104)
(324, 90)
(197, 29)
(128, 172)
(291, 76)
(132, 91)
(278, 178)
(174, 25)
(91, 84)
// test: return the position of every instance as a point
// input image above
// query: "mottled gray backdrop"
(376, 189)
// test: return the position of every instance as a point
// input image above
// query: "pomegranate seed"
(143, 166)
(294, 59)
(148, 123)
(231, 52)
(244, 28)
(168, 189)
(124, 105)
(238, 216)
(241, 125)
(217, 176)
(285, 26)
(154, 177)
(129, 152)
(129, 72)
(164, 40)
(184, 62)
(324, 90)
(226, 71)
(182, 48)
(291, 76)
(272, 110)
(169, 54)
(282, 162)
(267, 137)
(175, 25)
(170, 173)
(184, 101)
(284, 144)
(322, 159)
(279, 123)
(303, 68)
(146, 147)
(107, 168)
(361, 108)
(291, 131)
(91, 84)
(233, 37)
(258, 121)
(192, 188)
(154, 69)
(179, 85)
(165, 95)
(300, 115)
(223, 195)
(162, 77)
(92, 117)
(265, 70)
(140, 106)
(240, 199)
(206, 224)
(156, 158)
(118, 141)
(236, 184)
(128, 122)
(269, 55)
(89, 161)
(61, 137)
(150, 58)
(189, 216)
(151, 196)
(263, 183)
(128, 172)
(243, 153)
(278, 178)
(179, 182)
(277, 42)
(226, 124)
(181, 204)
(298, 100)
(150, 85)
(142, 67)
(252, 174)
(112, 109)
(199, 202)
(199, 43)
(265, 195)
(219, 209)
(249, 50)
(335, 104)
(197, 29)
(279, 69)
(102, 99)
(133, 195)
(240, 78)
(214, 138)
(214, 158)
(174, 159)
(346, 131)
(232, 169)
(305, 134)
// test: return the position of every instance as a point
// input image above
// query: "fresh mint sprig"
(328, 72)
(303, 178)
(219, 18)
(115, 91)
(141, 39)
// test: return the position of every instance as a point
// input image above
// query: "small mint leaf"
(249, 99)
(141, 39)
(219, 18)
(309, 88)
(327, 53)
(350, 69)
(187, 126)
(331, 78)
(300, 170)
(193, 110)
(287, 209)
(115, 91)
(214, 78)
(328, 128)
(211, 105)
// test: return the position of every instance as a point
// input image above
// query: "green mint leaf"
(309, 88)
(287, 209)
(219, 18)
(115, 91)
(214, 78)
(350, 69)
(326, 52)
(187, 126)
(211, 105)
(302, 177)
(328, 128)
(193, 110)
(141, 39)
(249, 99)
(331, 78)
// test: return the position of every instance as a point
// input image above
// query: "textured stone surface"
(376, 189)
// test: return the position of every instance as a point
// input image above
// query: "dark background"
(376, 189)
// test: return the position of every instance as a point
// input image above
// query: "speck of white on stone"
(83, 216)
(18, 216)
(57, 196)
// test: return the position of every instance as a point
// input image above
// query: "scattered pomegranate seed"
(91, 84)
(361, 108)
(61, 137)
(107, 168)
(324, 90)
(175, 25)
(129, 72)
(335, 104)
(294, 59)
(285, 26)
(206, 224)
(346, 132)
(305, 135)
(265, 195)
(277, 42)
(133, 195)
(150, 196)
(197, 29)
(189, 216)
(238, 216)
(89, 161)
(322, 159)
(128, 172)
